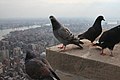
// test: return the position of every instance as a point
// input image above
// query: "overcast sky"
(59, 8)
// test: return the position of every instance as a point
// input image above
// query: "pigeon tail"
(47, 78)
(80, 46)
(77, 42)
(80, 36)
(54, 74)
(81, 42)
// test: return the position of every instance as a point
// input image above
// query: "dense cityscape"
(14, 45)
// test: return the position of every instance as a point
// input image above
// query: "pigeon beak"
(103, 19)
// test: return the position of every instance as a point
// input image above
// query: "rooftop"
(91, 52)
(86, 62)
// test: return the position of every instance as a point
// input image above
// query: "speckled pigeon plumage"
(63, 34)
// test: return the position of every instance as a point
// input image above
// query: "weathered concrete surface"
(67, 76)
(87, 62)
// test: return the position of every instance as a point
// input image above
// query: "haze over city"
(59, 8)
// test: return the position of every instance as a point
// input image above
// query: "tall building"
(4, 53)
(17, 51)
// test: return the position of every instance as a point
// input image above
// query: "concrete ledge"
(87, 62)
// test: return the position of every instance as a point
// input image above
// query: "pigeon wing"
(90, 31)
(65, 34)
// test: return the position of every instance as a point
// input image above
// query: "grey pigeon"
(63, 34)
(93, 32)
(109, 39)
(39, 69)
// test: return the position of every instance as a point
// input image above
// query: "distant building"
(4, 43)
(4, 54)
(1, 68)
(17, 51)
(32, 46)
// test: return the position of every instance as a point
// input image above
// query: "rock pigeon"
(63, 34)
(93, 32)
(109, 39)
(39, 68)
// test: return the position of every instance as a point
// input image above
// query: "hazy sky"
(59, 8)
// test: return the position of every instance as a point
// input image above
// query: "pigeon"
(63, 34)
(93, 32)
(39, 69)
(109, 39)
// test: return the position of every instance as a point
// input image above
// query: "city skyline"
(59, 8)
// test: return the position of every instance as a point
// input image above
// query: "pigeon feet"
(103, 54)
(61, 47)
(63, 50)
(111, 55)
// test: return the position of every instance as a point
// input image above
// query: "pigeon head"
(100, 18)
(29, 56)
(52, 17)
(55, 23)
